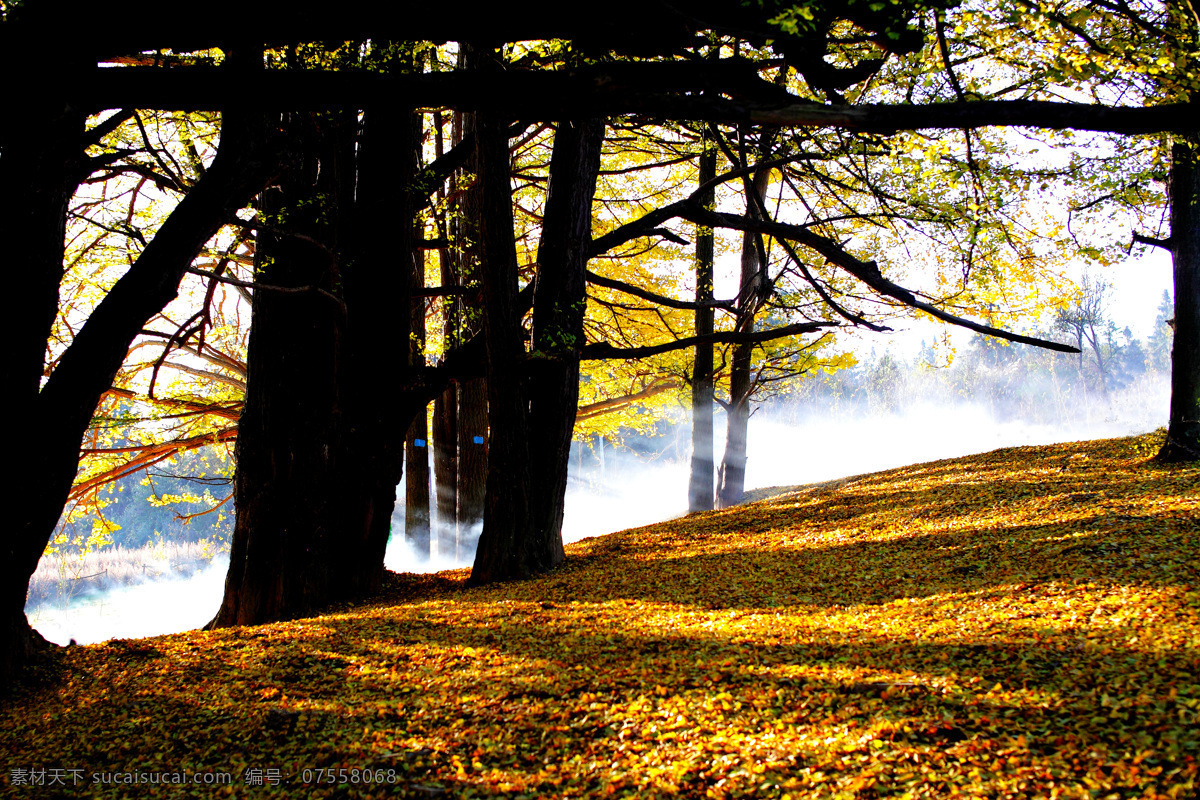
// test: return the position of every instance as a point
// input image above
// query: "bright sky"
(1137, 286)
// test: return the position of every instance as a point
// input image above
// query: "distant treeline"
(1015, 381)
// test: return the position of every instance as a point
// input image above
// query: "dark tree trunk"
(416, 446)
(285, 557)
(38, 174)
(531, 420)
(700, 486)
(320, 439)
(445, 470)
(1183, 430)
(445, 406)
(472, 453)
(472, 416)
(507, 518)
(416, 479)
(39, 171)
(732, 480)
(559, 302)
(380, 395)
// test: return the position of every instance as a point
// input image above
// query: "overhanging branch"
(866, 271)
(602, 350)
(727, 92)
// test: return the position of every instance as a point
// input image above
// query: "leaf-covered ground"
(1024, 623)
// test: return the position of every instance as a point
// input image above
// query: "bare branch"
(603, 350)
(669, 302)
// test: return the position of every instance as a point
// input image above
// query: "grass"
(64, 576)
(1023, 623)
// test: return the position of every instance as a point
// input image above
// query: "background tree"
(1159, 345)
(1085, 322)
(701, 491)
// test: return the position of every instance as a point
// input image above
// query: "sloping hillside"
(1024, 623)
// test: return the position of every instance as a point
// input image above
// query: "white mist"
(787, 446)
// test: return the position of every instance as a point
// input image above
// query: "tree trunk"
(285, 558)
(559, 302)
(531, 420)
(473, 454)
(1183, 430)
(732, 479)
(445, 405)
(416, 506)
(445, 471)
(472, 416)
(502, 552)
(700, 486)
(416, 447)
(39, 171)
(320, 438)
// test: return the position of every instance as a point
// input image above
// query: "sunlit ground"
(1024, 623)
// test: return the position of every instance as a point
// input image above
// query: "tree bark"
(507, 516)
(445, 471)
(732, 475)
(1183, 429)
(320, 441)
(531, 419)
(472, 416)
(700, 486)
(559, 303)
(416, 446)
(732, 478)
(283, 557)
(39, 171)
(473, 453)
(416, 478)
(445, 405)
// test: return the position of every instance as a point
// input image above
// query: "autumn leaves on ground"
(1024, 623)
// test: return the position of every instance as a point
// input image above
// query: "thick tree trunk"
(1183, 430)
(379, 393)
(320, 439)
(285, 557)
(559, 302)
(530, 438)
(507, 518)
(700, 486)
(39, 171)
(60, 412)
